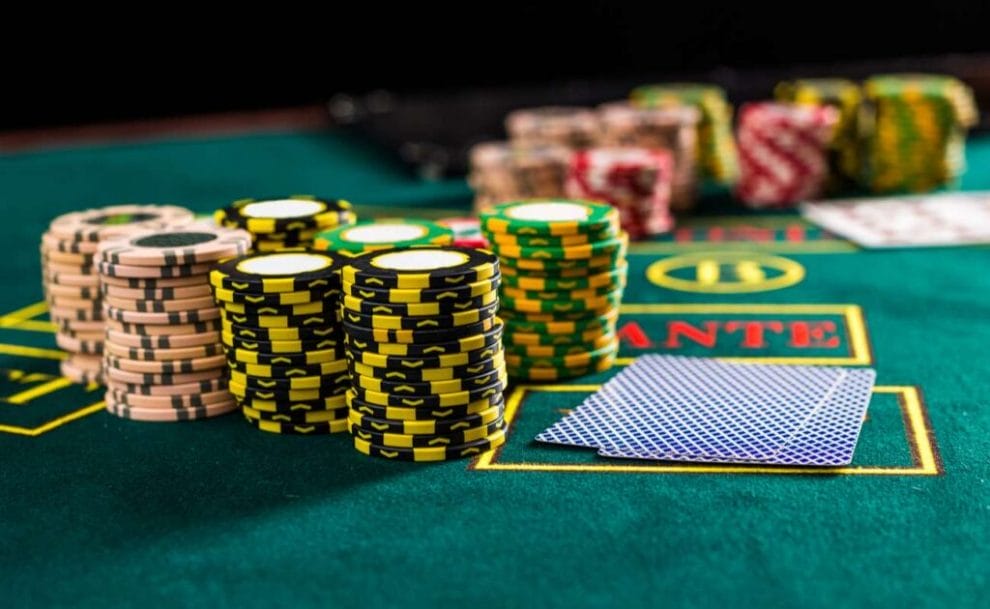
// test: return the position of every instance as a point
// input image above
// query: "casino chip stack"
(467, 232)
(425, 353)
(290, 222)
(915, 131)
(671, 128)
(71, 281)
(283, 340)
(163, 358)
(716, 149)
(574, 128)
(783, 153)
(501, 172)
(636, 181)
(847, 98)
(564, 270)
(382, 234)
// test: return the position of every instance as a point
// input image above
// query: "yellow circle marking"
(725, 272)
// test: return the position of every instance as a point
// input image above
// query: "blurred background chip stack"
(716, 148)
(783, 152)
(163, 359)
(564, 271)
(282, 336)
(71, 280)
(382, 233)
(502, 171)
(915, 128)
(845, 146)
(636, 181)
(571, 127)
(425, 352)
(671, 128)
(282, 223)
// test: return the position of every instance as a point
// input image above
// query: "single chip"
(502, 239)
(549, 217)
(299, 429)
(561, 327)
(153, 272)
(283, 346)
(287, 384)
(69, 343)
(436, 322)
(597, 304)
(166, 343)
(180, 293)
(282, 334)
(511, 292)
(207, 386)
(53, 243)
(152, 283)
(291, 271)
(449, 360)
(508, 315)
(179, 366)
(469, 343)
(438, 453)
(280, 299)
(69, 258)
(588, 357)
(333, 403)
(292, 213)
(319, 416)
(72, 279)
(590, 266)
(428, 374)
(71, 291)
(518, 339)
(402, 413)
(202, 327)
(491, 391)
(410, 441)
(423, 337)
(572, 272)
(73, 325)
(420, 267)
(424, 427)
(160, 306)
(280, 321)
(415, 388)
(559, 350)
(76, 314)
(107, 222)
(175, 247)
(588, 251)
(66, 268)
(269, 371)
(139, 378)
(541, 373)
(419, 309)
(384, 233)
(77, 373)
(169, 401)
(167, 415)
(168, 318)
(307, 358)
(186, 353)
(412, 295)
(291, 395)
(325, 308)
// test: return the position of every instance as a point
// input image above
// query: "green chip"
(385, 233)
(532, 281)
(598, 303)
(570, 252)
(552, 217)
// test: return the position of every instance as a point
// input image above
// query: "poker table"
(97, 511)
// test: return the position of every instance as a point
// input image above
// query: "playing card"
(914, 221)
(670, 407)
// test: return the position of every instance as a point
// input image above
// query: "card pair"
(675, 408)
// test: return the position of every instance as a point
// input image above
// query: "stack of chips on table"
(915, 135)
(671, 128)
(572, 127)
(847, 98)
(501, 171)
(716, 149)
(71, 281)
(564, 270)
(283, 223)
(163, 359)
(636, 181)
(283, 339)
(783, 152)
(425, 352)
(380, 234)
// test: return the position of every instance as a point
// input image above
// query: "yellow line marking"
(32, 352)
(40, 390)
(22, 314)
(910, 402)
(50, 425)
(33, 325)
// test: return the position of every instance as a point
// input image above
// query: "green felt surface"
(101, 512)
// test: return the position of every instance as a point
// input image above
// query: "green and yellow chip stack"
(285, 222)
(381, 234)
(915, 127)
(564, 271)
(424, 349)
(846, 97)
(716, 146)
